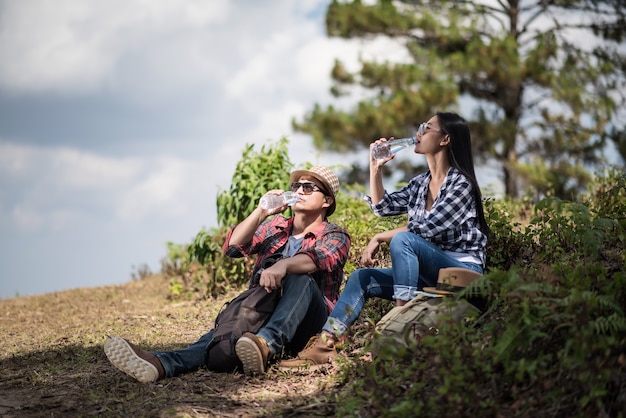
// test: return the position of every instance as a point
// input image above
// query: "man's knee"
(297, 282)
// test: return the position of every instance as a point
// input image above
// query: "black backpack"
(248, 312)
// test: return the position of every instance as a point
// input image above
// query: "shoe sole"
(250, 356)
(124, 358)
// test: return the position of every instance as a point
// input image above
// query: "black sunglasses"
(307, 188)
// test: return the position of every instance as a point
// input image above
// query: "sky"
(121, 120)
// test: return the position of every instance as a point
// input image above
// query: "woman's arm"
(377, 190)
(370, 251)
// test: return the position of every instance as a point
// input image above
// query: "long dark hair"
(460, 156)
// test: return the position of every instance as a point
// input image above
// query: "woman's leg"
(362, 285)
(416, 263)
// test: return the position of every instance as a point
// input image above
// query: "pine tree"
(546, 79)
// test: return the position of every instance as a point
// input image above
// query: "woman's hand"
(370, 251)
(375, 163)
(372, 247)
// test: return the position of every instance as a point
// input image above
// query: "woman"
(446, 228)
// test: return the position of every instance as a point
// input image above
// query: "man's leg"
(134, 361)
(147, 367)
(300, 314)
(362, 285)
(185, 360)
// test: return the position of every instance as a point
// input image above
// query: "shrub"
(552, 340)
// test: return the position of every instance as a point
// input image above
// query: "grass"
(52, 362)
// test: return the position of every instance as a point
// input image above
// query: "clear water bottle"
(384, 150)
(272, 201)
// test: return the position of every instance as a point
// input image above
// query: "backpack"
(247, 312)
(423, 315)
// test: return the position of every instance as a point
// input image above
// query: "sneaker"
(318, 352)
(253, 353)
(132, 360)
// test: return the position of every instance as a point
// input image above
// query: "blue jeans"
(415, 263)
(299, 315)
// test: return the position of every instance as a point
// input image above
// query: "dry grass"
(52, 363)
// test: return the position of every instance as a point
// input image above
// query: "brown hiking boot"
(132, 360)
(253, 353)
(319, 351)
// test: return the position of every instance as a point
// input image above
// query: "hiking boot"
(132, 360)
(253, 353)
(319, 351)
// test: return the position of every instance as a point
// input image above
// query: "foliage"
(200, 269)
(606, 196)
(255, 173)
(545, 81)
(552, 340)
(355, 215)
(506, 244)
(188, 276)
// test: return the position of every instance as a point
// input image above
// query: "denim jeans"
(299, 315)
(415, 263)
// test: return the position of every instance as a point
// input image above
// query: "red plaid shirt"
(328, 246)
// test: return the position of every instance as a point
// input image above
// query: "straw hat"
(328, 179)
(452, 279)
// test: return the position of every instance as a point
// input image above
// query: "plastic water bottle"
(272, 201)
(384, 150)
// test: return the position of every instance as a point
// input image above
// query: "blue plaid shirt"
(451, 223)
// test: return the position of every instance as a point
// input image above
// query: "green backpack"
(423, 315)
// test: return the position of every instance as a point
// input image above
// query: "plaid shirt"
(451, 224)
(328, 246)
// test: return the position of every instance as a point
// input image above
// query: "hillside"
(552, 342)
(52, 363)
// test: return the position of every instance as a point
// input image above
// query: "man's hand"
(272, 277)
(273, 211)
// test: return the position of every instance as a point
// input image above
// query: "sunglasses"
(307, 188)
(426, 127)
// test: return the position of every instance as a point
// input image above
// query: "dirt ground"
(52, 362)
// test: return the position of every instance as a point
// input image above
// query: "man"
(310, 276)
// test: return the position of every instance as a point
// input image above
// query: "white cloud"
(70, 46)
(27, 218)
(164, 189)
(74, 169)
(54, 187)
(14, 159)
(56, 169)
